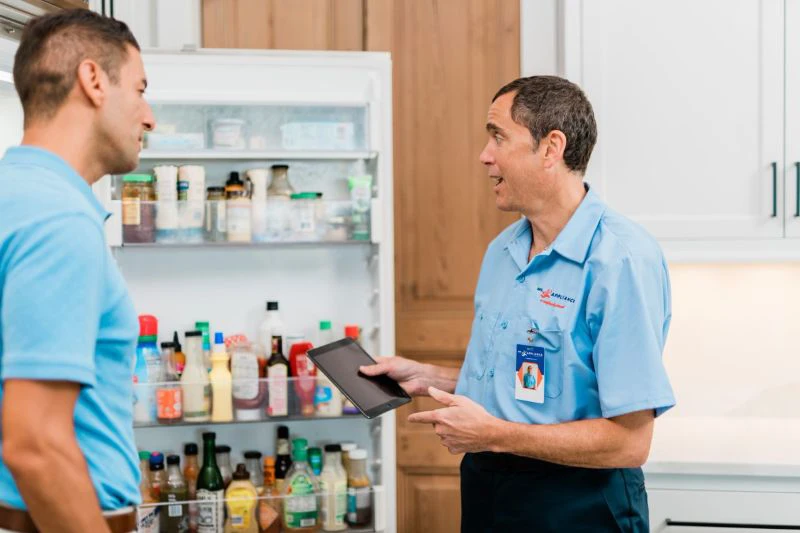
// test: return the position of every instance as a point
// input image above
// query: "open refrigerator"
(10, 107)
(327, 116)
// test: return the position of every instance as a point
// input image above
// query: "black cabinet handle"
(797, 189)
(774, 189)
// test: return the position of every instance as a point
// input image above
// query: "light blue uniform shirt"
(65, 314)
(597, 302)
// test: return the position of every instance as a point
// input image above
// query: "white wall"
(734, 346)
(10, 121)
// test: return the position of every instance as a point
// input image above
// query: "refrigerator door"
(10, 107)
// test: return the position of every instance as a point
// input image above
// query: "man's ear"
(554, 143)
(92, 82)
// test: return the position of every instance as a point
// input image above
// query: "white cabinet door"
(689, 102)
(792, 166)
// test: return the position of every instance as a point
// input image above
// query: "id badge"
(529, 378)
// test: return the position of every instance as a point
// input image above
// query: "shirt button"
(504, 324)
(491, 373)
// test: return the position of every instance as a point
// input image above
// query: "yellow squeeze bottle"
(241, 499)
(221, 383)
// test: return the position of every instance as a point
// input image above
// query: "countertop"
(731, 446)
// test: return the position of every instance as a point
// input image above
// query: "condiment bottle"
(237, 200)
(252, 461)
(283, 461)
(216, 229)
(359, 490)
(241, 500)
(224, 463)
(169, 395)
(158, 477)
(190, 472)
(194, 381)
(210, 490)
(278, 374)
(180, 358)
(221, 382)
(301, 493)
(333, 485)
(146, 516)
(175, 515)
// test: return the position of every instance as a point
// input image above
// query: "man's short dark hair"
(546, 103)
(53, 46)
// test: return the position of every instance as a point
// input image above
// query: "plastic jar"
(305, 215)
(216, 221)
(138, 209)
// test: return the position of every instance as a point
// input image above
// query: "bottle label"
(170, 403)
(241, 505)
(147, 520)
(334, 502)
(358, 499)
(245, 377)
(196, 401)
(131, 212)
(210, 511)
(300, 507)
(278, 391)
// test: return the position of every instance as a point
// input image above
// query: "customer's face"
(512, 163)
(125, 117)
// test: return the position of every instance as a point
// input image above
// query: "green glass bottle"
(210, 490)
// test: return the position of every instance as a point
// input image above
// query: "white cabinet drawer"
(757, 510)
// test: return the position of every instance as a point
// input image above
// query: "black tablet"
(373, 396)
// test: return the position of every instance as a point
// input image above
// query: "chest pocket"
(525, 331)
(480, 344)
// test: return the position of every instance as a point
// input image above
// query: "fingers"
(444, 398)
(424, 417)
(376, 369)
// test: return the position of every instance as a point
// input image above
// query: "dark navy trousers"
(502, 493)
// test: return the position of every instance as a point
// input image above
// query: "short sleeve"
(629, 310)
(51, 300)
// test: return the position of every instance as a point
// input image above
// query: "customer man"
(67, 323)
(576, 289)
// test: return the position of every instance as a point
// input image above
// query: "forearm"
(596, 443)
(54, 483)
(442, 377)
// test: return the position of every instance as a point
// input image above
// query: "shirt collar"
(33, 155)
(574, 239)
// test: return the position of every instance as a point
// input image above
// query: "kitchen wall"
(734, 343)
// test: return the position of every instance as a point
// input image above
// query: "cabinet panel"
(792, 166)
(429, 496)
(690, 113)
(283, 24)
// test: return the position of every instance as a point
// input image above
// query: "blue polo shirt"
(595, 304)
(65, 314)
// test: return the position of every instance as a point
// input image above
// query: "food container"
(229, 133)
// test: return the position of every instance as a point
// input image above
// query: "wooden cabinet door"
(284, 24)
(689, 112)
(449, 58)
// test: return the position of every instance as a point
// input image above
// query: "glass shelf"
(254, 155)
(265, 420)
(147, 512)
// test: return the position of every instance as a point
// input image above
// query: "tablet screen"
(340, 361)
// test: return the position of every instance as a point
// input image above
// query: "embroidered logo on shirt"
(546, 296)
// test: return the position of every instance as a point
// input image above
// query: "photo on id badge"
(529, 378)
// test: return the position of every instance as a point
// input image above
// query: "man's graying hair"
(546, 103)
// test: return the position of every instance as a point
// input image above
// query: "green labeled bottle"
(210, 490)
(301, 504)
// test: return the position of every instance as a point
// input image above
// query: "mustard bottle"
(241, 500)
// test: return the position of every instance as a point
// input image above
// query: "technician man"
(67, 324)
(576, 289)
